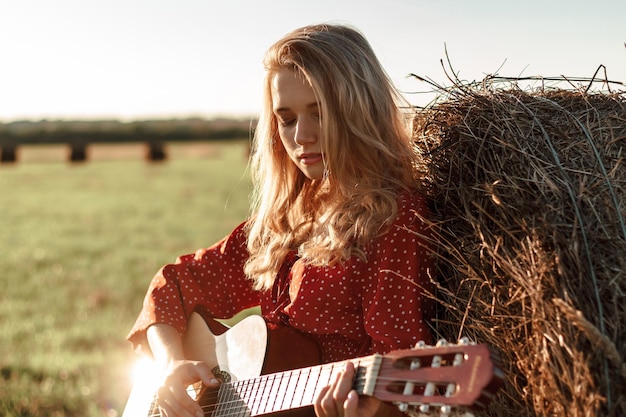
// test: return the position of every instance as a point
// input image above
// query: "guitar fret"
(224, 401)
(275, 392)
(238, 405)
(256, 398)
(326, 375)
(247, 387)
(309, 386)
(281, 392)
(234, 401)
(263, 395)
(289, 382)
(218, 407)
(270, 384)
(298, 392)
(246, 391)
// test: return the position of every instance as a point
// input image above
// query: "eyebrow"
(308, 106)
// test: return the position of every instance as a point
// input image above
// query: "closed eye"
(287, 123)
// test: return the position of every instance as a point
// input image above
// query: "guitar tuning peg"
(420, 345)
(442, 342)
(404, 407)
(446, 411)
(465, 341)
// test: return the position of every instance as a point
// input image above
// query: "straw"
(528, 188)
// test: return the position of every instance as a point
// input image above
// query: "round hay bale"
(529, 195)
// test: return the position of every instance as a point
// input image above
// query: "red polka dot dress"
(351, 309)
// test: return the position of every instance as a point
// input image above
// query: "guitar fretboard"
(284, 390)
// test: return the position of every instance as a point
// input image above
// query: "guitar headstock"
(440, 379)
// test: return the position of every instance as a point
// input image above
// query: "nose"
(307, 131)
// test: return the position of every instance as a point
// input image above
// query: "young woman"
(335, 246)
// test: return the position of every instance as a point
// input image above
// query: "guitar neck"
(285, 390)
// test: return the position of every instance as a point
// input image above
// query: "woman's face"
(298, 116)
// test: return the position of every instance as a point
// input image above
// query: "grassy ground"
(78, 246)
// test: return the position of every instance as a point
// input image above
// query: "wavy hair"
(367, 152)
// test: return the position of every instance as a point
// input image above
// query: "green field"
(78, 246)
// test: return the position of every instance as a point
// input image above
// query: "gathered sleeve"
(396, 287)
(211, 281)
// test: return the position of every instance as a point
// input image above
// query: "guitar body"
(251, 348)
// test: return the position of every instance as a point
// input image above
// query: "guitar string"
(235, 404)
(260, 388)
(243, 406)
(216, 400)
(265, 384)
(238, 407)
(239, 403)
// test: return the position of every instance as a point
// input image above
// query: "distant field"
(104, 152)
(78, 246)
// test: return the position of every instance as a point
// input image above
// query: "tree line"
(107, 131)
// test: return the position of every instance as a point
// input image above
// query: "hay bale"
(529, 191)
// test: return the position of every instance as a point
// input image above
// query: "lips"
(310, 158)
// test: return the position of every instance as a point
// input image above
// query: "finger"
(183, 404)
(351, 405)
(332, 402)
(344, 384)
(200, 371)
(172, 405)
(322, 400)
(205, 375)
(173, 395)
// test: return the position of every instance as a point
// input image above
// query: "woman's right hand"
(172, 397)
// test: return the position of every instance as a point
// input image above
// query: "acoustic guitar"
(266, 369)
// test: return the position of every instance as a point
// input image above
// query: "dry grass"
(529, 191)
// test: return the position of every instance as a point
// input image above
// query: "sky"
(139, 59)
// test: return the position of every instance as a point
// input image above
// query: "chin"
(313, 172)
(314, 175)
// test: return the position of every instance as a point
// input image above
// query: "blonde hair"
(368, 155)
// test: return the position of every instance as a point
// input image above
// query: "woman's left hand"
(340, 400)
